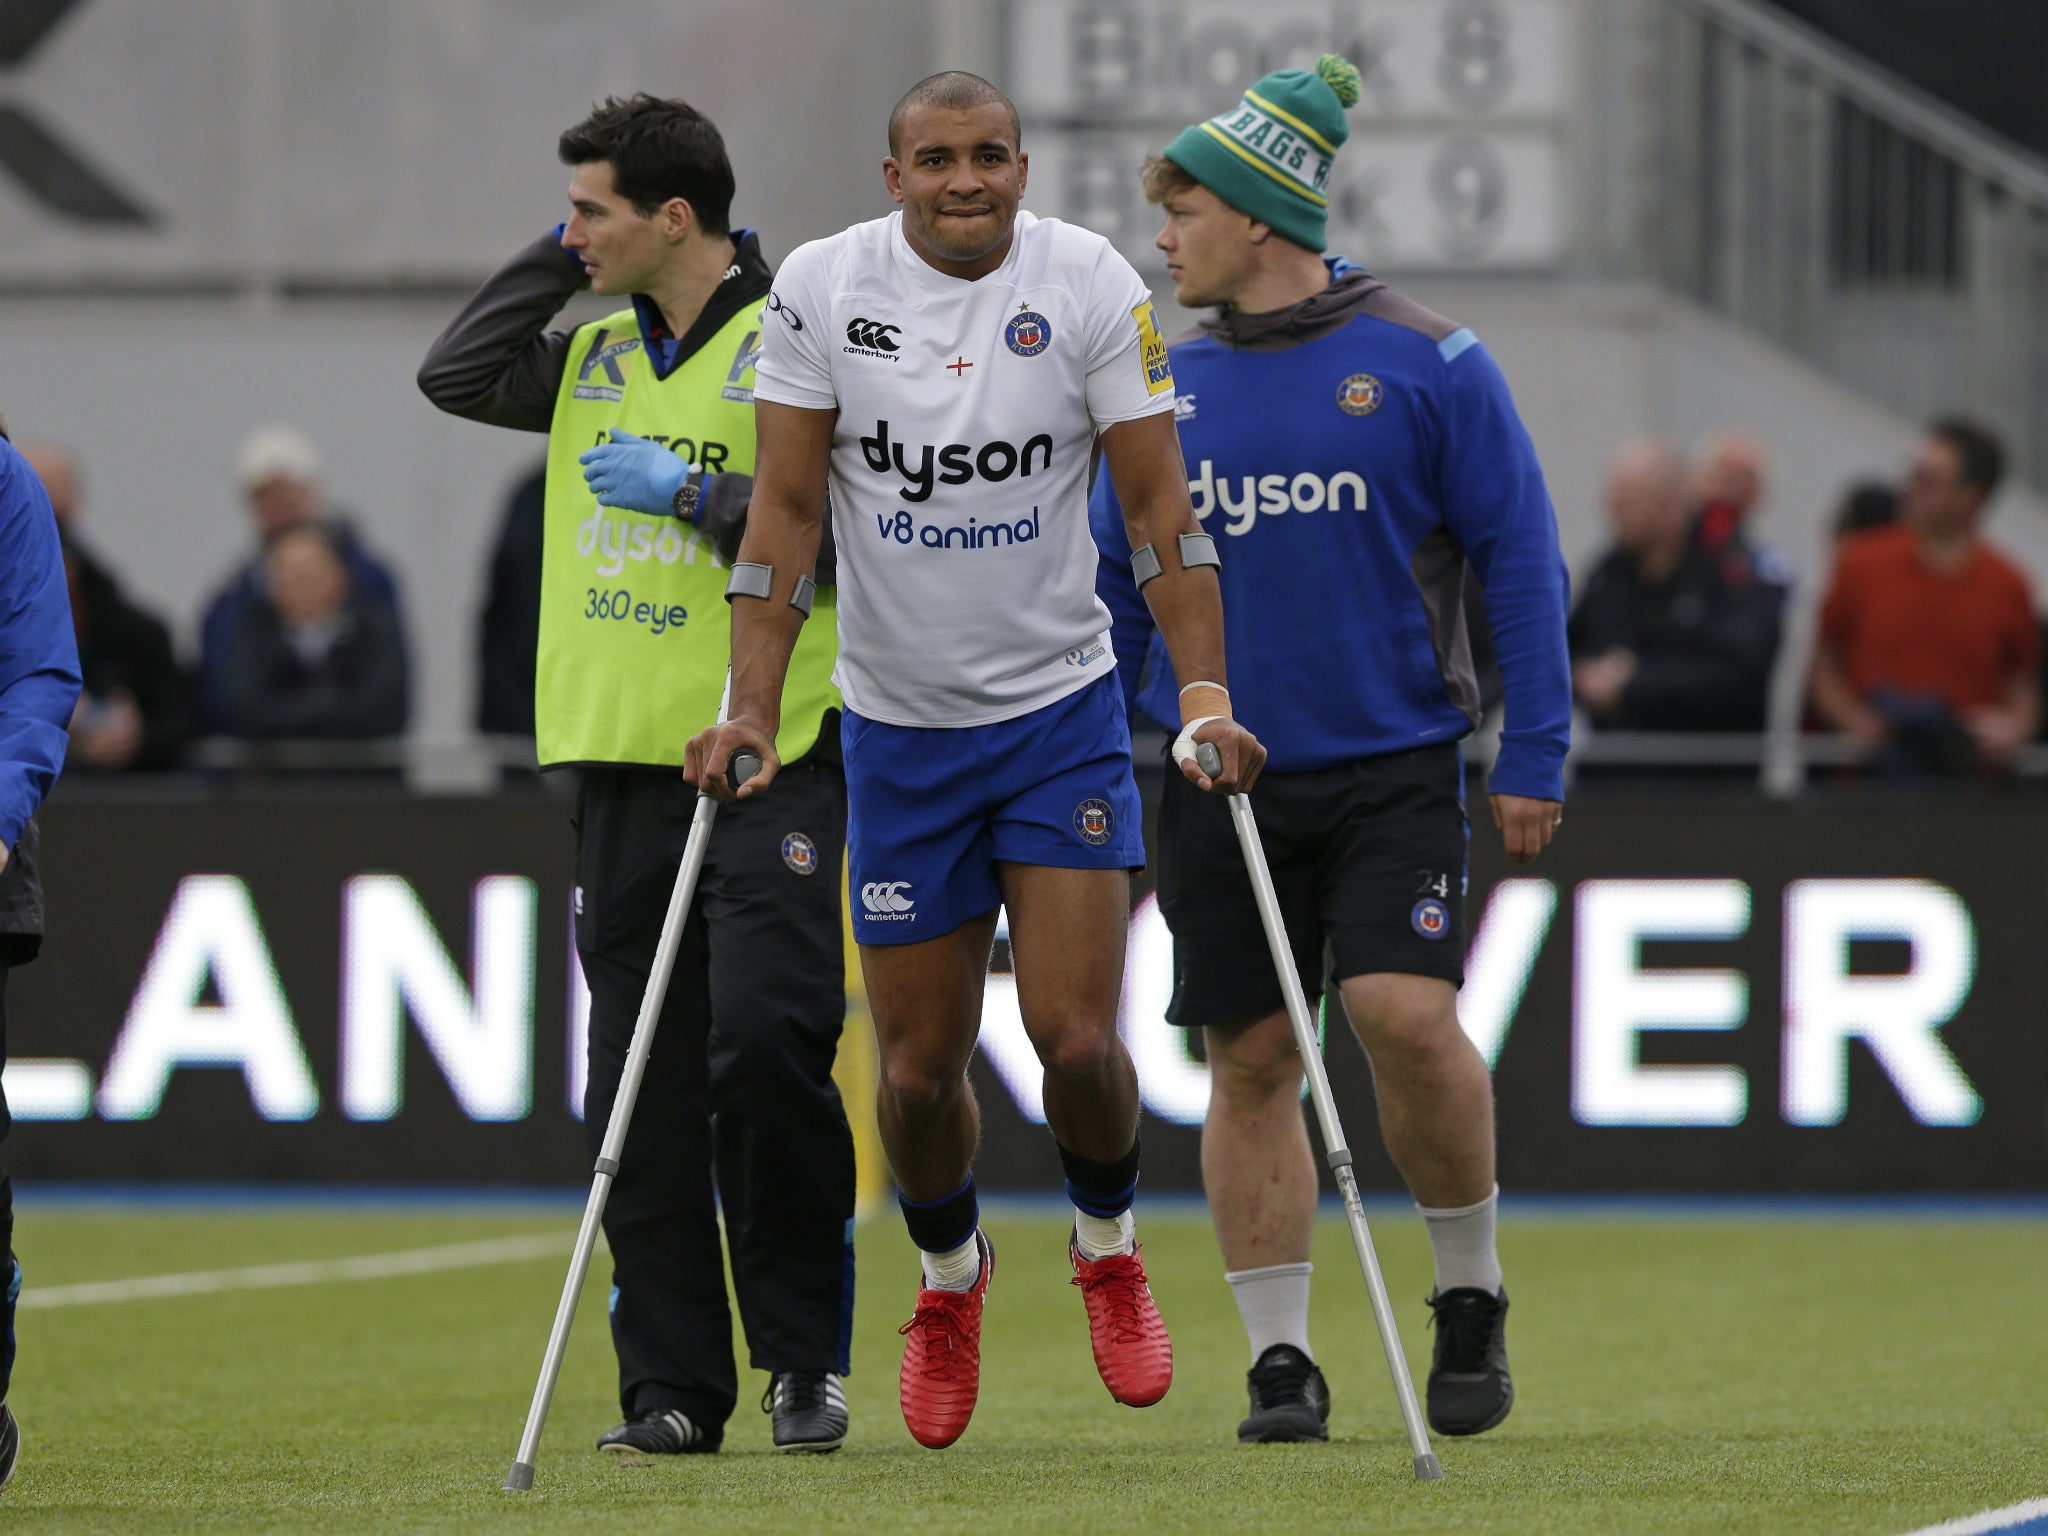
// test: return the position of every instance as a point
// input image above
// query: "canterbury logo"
(883, 896)
(872, 335)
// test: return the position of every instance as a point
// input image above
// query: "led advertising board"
(1717, 995)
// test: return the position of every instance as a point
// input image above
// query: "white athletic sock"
(954, 1270)
(1462, 1240)
(1273, 1302)
(1100, 1237)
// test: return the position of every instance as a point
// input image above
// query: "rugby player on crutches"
(947, 373)
(1352, 453)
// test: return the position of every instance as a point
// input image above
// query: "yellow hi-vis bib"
(635, 633)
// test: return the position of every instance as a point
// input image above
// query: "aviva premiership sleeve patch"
(1152, 351)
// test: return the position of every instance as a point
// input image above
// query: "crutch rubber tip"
(520, 1478)
(1427, 1468)
(1208, 759)
(742, 767)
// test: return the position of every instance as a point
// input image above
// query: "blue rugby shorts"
(930, 810)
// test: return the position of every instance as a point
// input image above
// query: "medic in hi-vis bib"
(649, 416)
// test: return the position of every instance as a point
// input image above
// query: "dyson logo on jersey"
(957, 463)
(1243, 499)
(612, 539)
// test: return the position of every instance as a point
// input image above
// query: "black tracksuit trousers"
(738, 1095)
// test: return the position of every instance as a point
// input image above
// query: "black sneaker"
(1289, 1399)
(1470, 1390)
(10, 1444)
(809, 1409)
(660, 1432)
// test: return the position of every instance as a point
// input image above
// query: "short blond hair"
(1163, 178)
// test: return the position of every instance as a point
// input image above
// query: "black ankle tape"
(941, 1225)
(1101, 1189)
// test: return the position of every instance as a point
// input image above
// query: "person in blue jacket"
(39, 685)
(1353, 454)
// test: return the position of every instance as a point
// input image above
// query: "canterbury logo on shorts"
(886, 902)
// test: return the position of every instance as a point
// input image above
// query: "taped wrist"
(751, 579)
(1209, 701)
(1195, 549)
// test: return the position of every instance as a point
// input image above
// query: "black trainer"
(660, 1432)
(1289, 1399)
(809, 1409)
(1470, 1390)
(10, 1444)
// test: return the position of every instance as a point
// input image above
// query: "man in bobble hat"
(1354, 454)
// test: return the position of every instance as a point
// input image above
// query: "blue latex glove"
(634, 475)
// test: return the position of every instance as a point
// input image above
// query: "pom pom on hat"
(1343, 77)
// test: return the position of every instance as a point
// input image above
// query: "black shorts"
(1368, 858)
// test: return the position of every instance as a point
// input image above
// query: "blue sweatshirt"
(38, 651)
(1351, 456)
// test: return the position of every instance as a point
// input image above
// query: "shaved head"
(1646, 494)
(952, 90)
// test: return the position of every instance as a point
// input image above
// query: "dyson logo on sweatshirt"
(1242, 500)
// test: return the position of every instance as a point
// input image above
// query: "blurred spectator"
(1729, 481)
(137, 710)
(1866, 504)
(509, 634)
(1664, 636)
(278, 472)
(311, 656)
(1928, 646)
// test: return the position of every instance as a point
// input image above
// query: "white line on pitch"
(264, 1277)
(1991, 1520)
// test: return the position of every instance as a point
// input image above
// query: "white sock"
(954, 1270)
(1273, 1302)
(1101, 1237)
(1462, 1240)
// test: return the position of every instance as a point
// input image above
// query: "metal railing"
(1782, 765)
(1822, 202)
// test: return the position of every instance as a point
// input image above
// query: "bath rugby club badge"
(800, 853)
(1092, 821)
(1360, 395)
(1027, 334)
(1431, 918)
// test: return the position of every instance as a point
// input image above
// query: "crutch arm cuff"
(1195, 549)
(749, 578)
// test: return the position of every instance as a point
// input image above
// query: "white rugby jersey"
(967, 415)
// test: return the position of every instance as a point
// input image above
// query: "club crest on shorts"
(1092, 821)
(1360, 395)
(800, 853)
(1431, 918)
(1027, 334)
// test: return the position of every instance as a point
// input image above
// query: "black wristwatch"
(688, 496)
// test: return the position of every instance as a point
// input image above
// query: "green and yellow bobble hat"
(1270, 155)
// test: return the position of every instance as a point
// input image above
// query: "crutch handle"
(1208, 759)
(742, 766)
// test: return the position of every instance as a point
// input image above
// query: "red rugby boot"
(1132, 1351)
(942, 1358)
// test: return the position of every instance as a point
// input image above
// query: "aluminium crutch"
(744, 766)
(1427, 1467)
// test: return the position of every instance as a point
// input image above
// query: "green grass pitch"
(1672, 1376)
